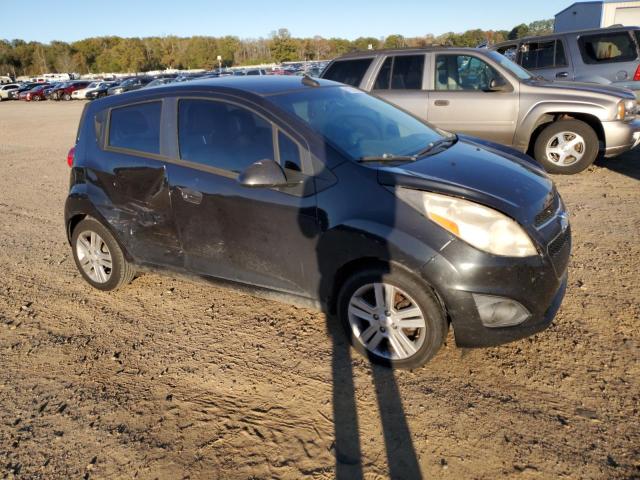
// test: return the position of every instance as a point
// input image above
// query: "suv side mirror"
(498, 85)
(263, 173)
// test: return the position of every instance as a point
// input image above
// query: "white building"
(584, 15)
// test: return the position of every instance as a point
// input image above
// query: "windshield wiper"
(388, 157)
(438, 143)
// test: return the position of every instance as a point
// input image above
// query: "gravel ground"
(169, 378)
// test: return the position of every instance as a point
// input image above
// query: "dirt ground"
(173, 379)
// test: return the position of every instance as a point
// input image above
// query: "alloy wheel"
(565, 148)
(386, 321)
(94, 256)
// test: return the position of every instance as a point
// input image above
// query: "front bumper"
(537, 283)
(620, 137)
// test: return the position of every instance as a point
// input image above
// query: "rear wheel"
(99, 258)
(66, 97)
(36, 98)
(566, 147)
(391, 317)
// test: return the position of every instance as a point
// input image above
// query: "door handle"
(441, 103)
(189, 195)
(562, 74)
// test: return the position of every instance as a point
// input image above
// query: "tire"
(66, 97)
(121, 272)
(574, 159)
(36, 98)
(426, 340)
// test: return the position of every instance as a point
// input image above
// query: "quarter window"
(289, 153)
(547, 54)
(463, 72)
(350, 72)
(136, 127)
(607, 48)
(222, 135)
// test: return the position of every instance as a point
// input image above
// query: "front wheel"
(566, 147)
(99, 258)
(66, 97)
(391, 317)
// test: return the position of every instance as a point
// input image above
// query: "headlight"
(480, 226)
(626, 109)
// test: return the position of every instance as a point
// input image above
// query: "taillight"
(636, 76)
(70, 156)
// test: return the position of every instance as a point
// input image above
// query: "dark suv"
(316, 193)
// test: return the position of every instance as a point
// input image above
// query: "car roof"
(619, 28)
(388, 51)
(262, 85)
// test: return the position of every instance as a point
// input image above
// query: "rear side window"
(350, 72)
(509, 51)
(545, 54)
(222, 135)
(136, 127)
(607, 48)
(403, 72)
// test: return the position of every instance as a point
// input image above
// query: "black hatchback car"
(313, 192)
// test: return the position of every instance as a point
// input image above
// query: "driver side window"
(463, 72)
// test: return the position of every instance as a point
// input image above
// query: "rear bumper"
(620, 137)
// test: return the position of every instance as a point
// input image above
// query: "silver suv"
(482, 93)
(605, 55)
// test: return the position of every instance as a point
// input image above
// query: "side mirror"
(498, 85)
(263, 173)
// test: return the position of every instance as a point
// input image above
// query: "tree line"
(116, 54)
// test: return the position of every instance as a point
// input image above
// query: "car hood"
(499, 178)
(585, 87)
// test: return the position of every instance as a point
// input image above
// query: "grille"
(548, 212)
(559, 250)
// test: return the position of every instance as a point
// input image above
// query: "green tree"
(394, 41)
(518, 31)
(283, 48)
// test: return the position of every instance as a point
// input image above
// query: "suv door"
(258, 236)
(400, 81)
(546, 58)
(461, 100)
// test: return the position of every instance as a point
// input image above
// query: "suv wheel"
(567, 147)
(391, 318)
(98, 256)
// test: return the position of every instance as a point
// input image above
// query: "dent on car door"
(400, 81)
(259, 236)
(462, 101)
(131, 189)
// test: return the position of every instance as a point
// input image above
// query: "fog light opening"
(498, 312)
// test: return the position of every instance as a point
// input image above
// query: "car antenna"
(309, 82)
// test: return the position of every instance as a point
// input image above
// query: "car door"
(258, 236)
(400, 81)
(129, 186)
(547, 59)
(461, 99)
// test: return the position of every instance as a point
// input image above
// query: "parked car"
(64, 90)
(5, 89)
(47, 91)
(159, 81)
(81, 94)
(609, 56)
(129, 84)
(256, 71)
(480, 92)
(36, 94)
(319, 194)
(100, 91)
(14, 94)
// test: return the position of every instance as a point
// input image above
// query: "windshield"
(513, 67)
(358, 124)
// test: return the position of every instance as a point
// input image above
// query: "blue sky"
(73, 20)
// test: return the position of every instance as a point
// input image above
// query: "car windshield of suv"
(358, 124)
(513, 67)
